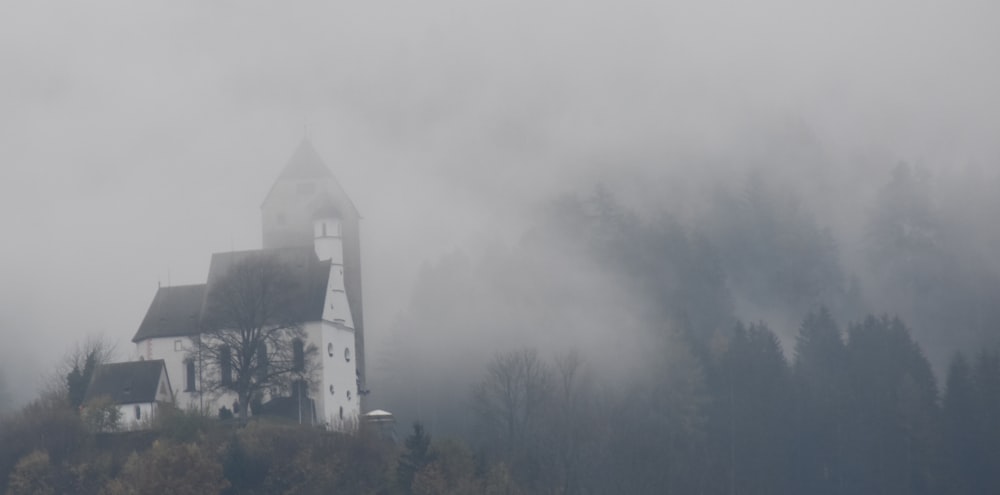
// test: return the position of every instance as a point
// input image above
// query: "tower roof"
(305, 164)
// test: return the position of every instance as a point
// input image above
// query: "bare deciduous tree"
(73, 373)
(509, 400)
(252, 340)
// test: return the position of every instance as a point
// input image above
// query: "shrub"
(101, 415)
(169, 469)
(32, 476)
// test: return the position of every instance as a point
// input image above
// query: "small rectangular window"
(178, 345)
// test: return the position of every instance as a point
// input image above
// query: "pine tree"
(962, 433)
(894, 430)
(986, 377)
(749, 419)
(415, 458)
(820, 375)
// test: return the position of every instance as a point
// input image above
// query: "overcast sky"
(136, 138)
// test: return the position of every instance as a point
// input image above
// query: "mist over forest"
(705, 245)
(621, 272)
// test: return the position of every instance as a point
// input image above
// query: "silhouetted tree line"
(719, 406)
(708, 405)
(855, 412)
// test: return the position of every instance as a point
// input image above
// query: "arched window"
(226, 366)
(329, 349)
(189, 375)
(138, 413)
(298, 355)
(347, 354)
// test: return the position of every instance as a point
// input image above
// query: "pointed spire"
(305, 163)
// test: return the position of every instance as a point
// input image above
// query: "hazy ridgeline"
(673, 391)
(621, 284)
(724, 344)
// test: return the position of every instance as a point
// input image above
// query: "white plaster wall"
(341, 374)
(334, 370)
(164, 392)
(128, 420)
(327, 242)
(164, 348)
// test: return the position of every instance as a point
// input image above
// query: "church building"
(310, 226)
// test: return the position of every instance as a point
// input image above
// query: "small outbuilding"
(135, 387)
(381, 422)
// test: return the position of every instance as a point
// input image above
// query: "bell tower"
(305, 199)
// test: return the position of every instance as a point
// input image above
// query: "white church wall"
(174, 352)
(136, 416)
(336, 394)
(327, 242)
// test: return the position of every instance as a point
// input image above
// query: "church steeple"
(305, 197)
(304, 187)
(305, 164)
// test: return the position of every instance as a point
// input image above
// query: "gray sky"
(136, 138)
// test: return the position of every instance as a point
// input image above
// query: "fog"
(138, 139)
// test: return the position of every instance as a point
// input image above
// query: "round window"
(329, 349)
(347, 354)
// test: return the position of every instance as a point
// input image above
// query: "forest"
(746, 346)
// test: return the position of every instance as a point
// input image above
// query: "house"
(137, 388)
(311, 227)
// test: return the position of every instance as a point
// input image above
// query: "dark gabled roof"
(126, 383)
(305, 164)
(175, 311)
(180, 311)
(308, 274)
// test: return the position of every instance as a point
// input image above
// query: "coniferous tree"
(894, 431)
(962, 437)
(750, 415)
(415, 458)
(820, 373)
(986, 377)
(78, 379)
